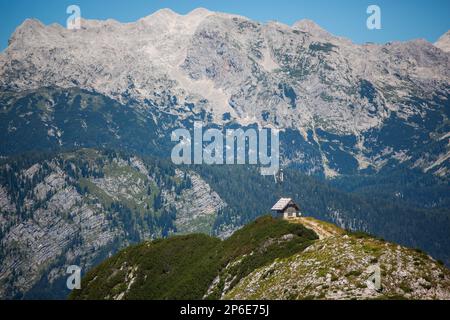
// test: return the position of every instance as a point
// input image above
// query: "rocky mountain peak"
(309, 26)
(167, 16)
(200, 12)
(29, 28)
(30, 24)
(161, 16)
(444, 42)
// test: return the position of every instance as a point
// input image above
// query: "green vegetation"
(182, 267)
(177, 267)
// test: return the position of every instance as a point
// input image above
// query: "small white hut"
(286, 208)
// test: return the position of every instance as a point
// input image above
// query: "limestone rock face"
(232, 69)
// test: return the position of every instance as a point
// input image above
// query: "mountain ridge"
(224, 69)
(132, 275)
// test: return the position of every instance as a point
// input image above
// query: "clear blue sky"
(401, 19)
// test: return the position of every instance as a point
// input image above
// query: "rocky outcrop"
(197, 206)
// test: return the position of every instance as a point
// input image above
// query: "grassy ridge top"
(268, 259)
(183, 267)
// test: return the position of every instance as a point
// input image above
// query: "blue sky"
(401, 19)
